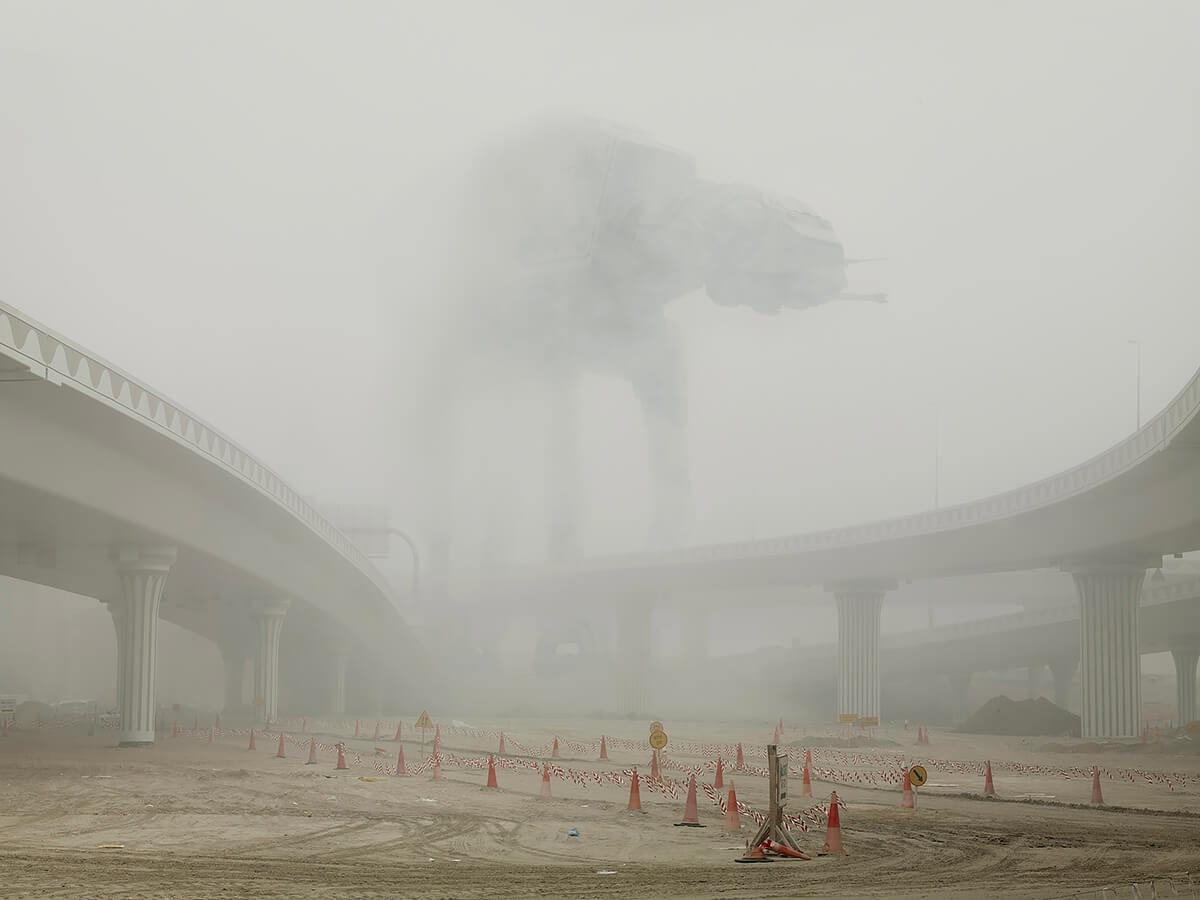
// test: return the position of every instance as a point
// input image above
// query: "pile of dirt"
(1000, 715)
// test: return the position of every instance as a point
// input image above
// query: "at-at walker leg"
(658, 382)
(564, 498)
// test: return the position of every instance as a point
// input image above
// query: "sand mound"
(1000, 715)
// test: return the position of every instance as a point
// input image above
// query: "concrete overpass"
(1042, 636)
(110, 490)
(1106, 521)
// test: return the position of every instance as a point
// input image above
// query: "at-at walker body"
(576, 236)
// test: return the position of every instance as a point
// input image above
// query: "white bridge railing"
(49, 355)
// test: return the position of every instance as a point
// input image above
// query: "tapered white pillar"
(1036, 670)
(234, 657)
(341, 662)
(1063, 671)
(859, 607)
(269, 614)
(634, 652)
(1185, 684)
(143, 573)
(1110, 659)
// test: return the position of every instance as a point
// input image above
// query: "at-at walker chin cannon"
(576, 236)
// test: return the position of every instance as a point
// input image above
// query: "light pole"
(412, 547)
(1138, 346)
(937, 456)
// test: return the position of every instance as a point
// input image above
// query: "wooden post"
(772, 828)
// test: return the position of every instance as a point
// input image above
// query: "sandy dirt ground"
(189, 818)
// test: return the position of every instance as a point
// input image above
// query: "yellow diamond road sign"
(423, 722)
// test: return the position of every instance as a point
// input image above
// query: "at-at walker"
(576, 236)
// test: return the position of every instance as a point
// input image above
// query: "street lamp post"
(1138, 346)
(415, 587)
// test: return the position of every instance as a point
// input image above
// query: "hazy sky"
(235, 202)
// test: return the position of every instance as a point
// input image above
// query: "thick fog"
(252, 207)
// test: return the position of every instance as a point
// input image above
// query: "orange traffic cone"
(603, 748)
(907, 800)
(501, 750)
(654, 765)
(279, 754)
(491, 782)
(719, 781)
(740, 761)
(776, 847)
(312, 752)
(808, 758)
(732, 822)
(251, 747)
(833, 833)
(399, 727)
(989, 789)
(437, 767)
(635, 794)
(400, 769)
(690, 815)
(554, 752)
(1097, 797)
(546, 780)
(341, 760)
(806, 787)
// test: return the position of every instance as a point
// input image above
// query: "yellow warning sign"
(847, 718)
(655, 726)
(658, 740)
(868, 721)
(423, 722)
(918, 776)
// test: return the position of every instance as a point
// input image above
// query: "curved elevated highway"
(110, 490)
(1107, 521)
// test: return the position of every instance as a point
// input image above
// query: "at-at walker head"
(767, 251)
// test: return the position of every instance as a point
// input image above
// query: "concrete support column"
(269, 614)
(859, 608)
(1109, 596)
(1185, 684)
(960, 688)
(1063, 671)
(634, 652)
(341, 662)
(143, 573)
